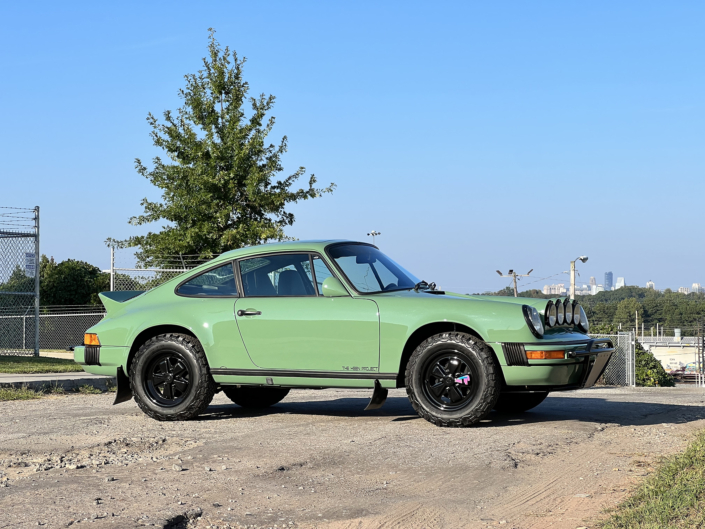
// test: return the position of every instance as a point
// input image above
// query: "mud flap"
(124, 393)
(379, 396)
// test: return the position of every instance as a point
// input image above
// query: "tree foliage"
(649, 371)
(70, 282)
(220, 187)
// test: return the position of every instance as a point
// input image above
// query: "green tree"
(70, 282)
(626, 312)
(220, 190)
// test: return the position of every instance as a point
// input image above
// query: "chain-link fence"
(127, 273)
(59, 327)
(620, 370)
(19, 281)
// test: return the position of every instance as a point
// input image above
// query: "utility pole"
(374, 233)
(514, 276)
(582, 258)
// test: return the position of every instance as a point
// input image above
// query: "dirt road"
(318, 460)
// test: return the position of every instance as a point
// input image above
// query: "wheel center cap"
(170, 378)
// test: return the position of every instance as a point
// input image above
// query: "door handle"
(249, 312)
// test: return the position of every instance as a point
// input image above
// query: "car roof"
(310, 245)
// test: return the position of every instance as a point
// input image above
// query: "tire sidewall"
(143, 360)
(483, 364)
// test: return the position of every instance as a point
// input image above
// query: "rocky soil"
(318, 460)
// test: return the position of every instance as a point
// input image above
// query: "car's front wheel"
(169, 378)
(255, 397)
(452, 379)
(519, 402)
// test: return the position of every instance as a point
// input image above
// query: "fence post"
(36, 282)
(112, 268)
(24, 332)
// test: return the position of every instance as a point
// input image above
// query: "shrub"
(649, 371)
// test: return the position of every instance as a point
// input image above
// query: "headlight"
(550, 314)
(560, 309)
(583, 325)
(576, 313)
(533, 320)
(568, 312)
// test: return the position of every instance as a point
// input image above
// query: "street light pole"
(514, 276)
(583, 259)
(374, 233)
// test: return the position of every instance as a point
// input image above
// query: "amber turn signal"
(90, 339)
(545, 355)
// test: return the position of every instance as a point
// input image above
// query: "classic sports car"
(257, 322)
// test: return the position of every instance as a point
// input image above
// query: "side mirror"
(333, 288)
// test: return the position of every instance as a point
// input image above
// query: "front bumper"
(584, 364)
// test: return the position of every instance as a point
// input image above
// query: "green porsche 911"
(260, 321)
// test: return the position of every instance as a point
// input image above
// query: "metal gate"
(620, 370)
(19, 281)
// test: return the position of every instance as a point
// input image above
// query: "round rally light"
(568, 312)
(584, 325)
(576, 313)
(560, 309)
(551, 314)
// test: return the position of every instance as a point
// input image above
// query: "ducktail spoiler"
(112, 300)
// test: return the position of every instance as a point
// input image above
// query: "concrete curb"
(64, 380)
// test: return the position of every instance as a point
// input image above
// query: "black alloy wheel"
(449, 380)
(167, 379)
(170, 379)
(453, 379)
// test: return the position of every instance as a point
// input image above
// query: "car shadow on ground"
(585, 409)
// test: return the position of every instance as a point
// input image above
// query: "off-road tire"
(201, 386)
(255, 397)
(487, 379)
(519, 402)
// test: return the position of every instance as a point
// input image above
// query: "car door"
(286, 324)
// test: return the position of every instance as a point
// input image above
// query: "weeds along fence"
(59, 327)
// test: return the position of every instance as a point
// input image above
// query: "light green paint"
(328, 333)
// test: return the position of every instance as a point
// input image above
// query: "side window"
(215, 282)
(321, 270)
(277, 275)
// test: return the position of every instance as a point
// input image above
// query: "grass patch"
(31, 364)
(18, 394)
(25, 393)
(673, 497)
(88, 390)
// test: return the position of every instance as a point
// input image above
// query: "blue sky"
(474, 135)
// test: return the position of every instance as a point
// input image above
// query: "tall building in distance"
(555, 290)
(697, 288)
(650, 284)
(592, 282)
(608, 281)
(684, 290)
(620, 283)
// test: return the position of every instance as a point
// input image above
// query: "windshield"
(369, 270)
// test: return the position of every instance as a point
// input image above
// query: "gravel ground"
(318, 460)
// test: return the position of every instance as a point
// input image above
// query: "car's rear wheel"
(255, 397)
(519, 402)
(452, 379)
(170, 379)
